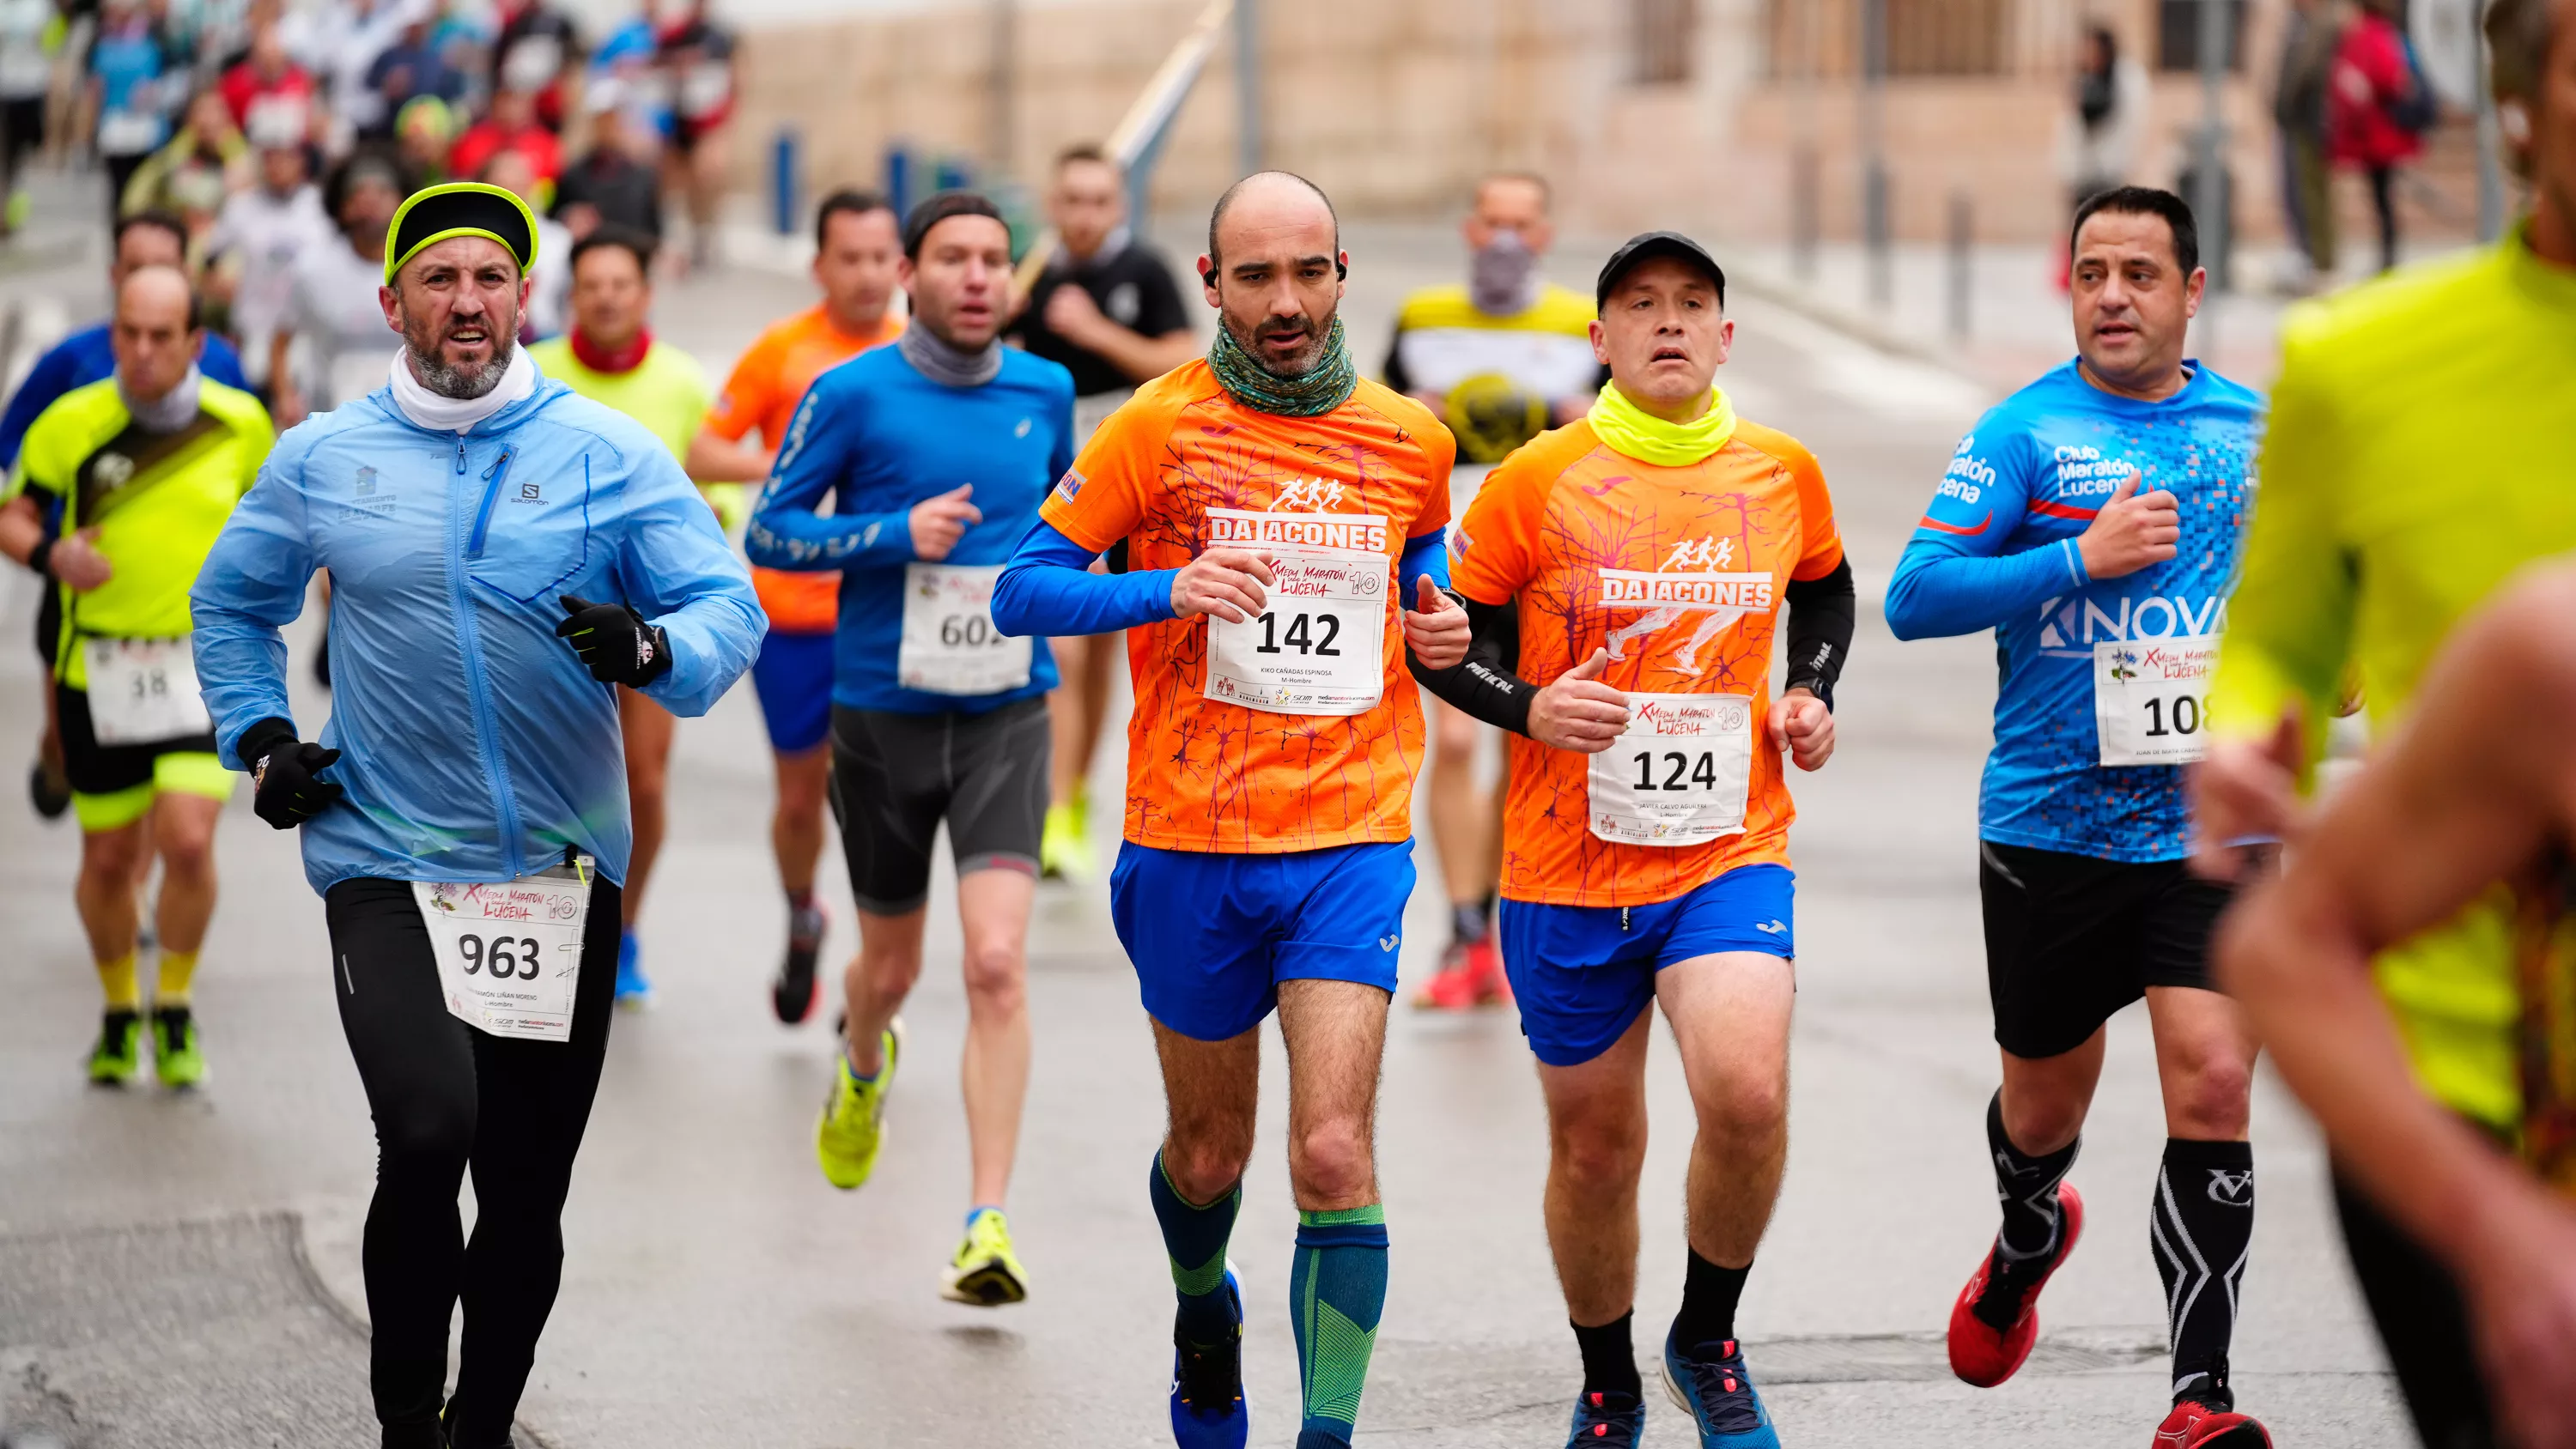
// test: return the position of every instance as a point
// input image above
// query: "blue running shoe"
(1607, 1421)
(1207, 1384)
(1718, 1394)
(633, 990)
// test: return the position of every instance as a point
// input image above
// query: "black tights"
(2425, 1328)
(445, 1097)
(2383, 194)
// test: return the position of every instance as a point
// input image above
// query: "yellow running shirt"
(2422, 449)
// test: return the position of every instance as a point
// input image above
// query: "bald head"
(154, 336)
(1267, 202)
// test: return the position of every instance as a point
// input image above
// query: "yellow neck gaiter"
(1639, 434)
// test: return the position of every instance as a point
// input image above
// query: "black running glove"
(286, 793)
(615, 641)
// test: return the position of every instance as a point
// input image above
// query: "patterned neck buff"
(1327, 387)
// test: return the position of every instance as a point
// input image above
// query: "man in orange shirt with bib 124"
(1278, 511)
(857, 242)
(1625, 575)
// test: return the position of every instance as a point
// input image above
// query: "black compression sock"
(2202, 1228)
(1469, 921)
(1609, 1357)
(2028, 1187)
(1709, 1296)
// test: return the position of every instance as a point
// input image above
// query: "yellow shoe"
(1064, 850)
(985, 1272)
(853, 1125)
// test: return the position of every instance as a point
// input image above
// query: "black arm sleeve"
(1820, 631)
(1395, 375)
(1482, 685)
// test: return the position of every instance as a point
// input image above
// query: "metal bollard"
(898, 182)
(1963, 263)
(782, 181)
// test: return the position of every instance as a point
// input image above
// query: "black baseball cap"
(1647, 245)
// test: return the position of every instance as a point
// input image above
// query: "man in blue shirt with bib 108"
(936, 453)
(2092, 521)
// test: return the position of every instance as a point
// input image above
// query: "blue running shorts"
(1584, 974)
(1212, 935)
(793, 677)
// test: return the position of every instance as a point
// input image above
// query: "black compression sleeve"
(1483, 684)
(1821, 613)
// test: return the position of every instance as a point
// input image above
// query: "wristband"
(41, 557)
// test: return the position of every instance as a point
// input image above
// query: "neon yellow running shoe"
(176, 1058)
(1064, 850)
(985, 1272)
(853, 1125)
(119, 1053)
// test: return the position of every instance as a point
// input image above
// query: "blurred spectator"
(332, 307)
(2097, 141)
(410, 68)
(265, 72)
(696, 56)
(550, 289)
(424, 130)
(26, 76)
(204, 162)
(265, 233)
(609, 184)
(537, 45)
(2377, 93)
(352, 34)
(511, 126)
(2308, 48)
(127, 67)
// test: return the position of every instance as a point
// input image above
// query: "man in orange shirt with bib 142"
(857, 242)
(1277, 512)
(1625, 575)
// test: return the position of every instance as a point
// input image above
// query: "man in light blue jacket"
(464, 811)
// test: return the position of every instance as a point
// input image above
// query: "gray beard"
(1303, 363)
(464, 384)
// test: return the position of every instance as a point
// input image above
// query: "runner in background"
(29, 32)
(934, 453)
(1499, 359)
(2092, 521)
(267, 232)
(143, 468)
(858, 244)
(611, 357)
(147, 239)
(333, 305)
(128, 67)
(1107, 309)
(695, 58)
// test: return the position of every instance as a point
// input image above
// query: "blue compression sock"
(1336, 1292)
(1194, 1238)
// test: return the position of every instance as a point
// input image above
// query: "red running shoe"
(1984, 1355)
(1454, 987)
(1485, 973)
(2195, 1425)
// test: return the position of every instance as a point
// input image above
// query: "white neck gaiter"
(459, 414)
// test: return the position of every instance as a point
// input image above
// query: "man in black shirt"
(608, 186)
(1119, 323)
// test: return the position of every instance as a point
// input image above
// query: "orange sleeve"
(1439, 456)
(1104, 495)
(748, 392)
(1821, 549)
(1491, 549)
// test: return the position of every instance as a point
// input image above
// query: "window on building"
(1947, 37)
(1663, 34)
(2178, 25)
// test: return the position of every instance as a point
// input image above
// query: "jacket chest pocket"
(530, 534)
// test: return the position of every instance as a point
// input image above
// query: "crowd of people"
(540, 547)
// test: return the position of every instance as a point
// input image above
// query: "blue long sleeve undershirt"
(1048, 587)
(1936, 593)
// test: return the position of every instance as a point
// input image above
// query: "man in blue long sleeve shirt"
(145, 239)
(2092, 521)
(505, 554)
(935, 454)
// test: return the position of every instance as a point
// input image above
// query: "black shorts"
(96, 769)
(2071, 939)
(22, 126)
(896, 776)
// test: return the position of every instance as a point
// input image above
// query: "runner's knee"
(1747, 1106)
(1331, 1159)
(1601, 1153)
(996, 977)
(1205, 1164)
(2209, 1094)
(426, 1137)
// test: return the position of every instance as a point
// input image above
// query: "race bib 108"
(2151, 699)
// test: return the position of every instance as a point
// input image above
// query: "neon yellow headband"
(460, 208)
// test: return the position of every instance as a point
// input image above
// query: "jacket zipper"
(487, 728)
(493, 477)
